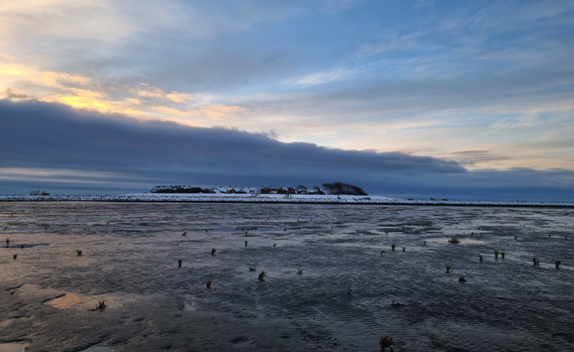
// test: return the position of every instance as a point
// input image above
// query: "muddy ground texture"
(328, 286)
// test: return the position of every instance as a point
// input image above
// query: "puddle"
(28, 245)
(13, 347)
(80, 302)
(96, 349)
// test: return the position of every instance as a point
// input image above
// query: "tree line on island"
(336, 188)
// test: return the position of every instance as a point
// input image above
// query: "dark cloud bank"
(110, 154)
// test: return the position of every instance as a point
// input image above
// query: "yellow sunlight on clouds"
(82, 92)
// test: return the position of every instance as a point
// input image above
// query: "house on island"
(274, 190)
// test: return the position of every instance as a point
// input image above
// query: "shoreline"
(277, 199)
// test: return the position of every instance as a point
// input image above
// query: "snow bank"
(275, 198)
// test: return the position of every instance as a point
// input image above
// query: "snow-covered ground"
(273, 198)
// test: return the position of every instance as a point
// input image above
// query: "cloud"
(323, 77)
(13, 95)
(45, 145)
(473, 157)
(49, 136)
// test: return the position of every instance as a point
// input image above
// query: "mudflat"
(332, 280)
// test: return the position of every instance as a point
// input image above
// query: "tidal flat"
(328, 285)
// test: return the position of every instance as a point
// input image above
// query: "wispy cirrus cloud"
(312, 79)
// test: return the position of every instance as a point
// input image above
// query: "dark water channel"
(342, 300)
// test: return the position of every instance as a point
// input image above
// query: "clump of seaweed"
(299, 271)
(393, 246)
(101, 305)
(262, 276)
(213, 250)
(386, 342)
(448, 268)
(454, 240)
(79, 252)
(461, 279)
(208, 284)
(557, 263)
(179, 261)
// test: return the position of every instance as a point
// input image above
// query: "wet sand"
(341, 302)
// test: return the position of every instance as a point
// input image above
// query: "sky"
(411, 99)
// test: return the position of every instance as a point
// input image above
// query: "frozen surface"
(342, 300)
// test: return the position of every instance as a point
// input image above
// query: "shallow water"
(342, 300)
